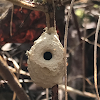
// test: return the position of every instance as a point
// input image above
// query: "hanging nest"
(45, 59)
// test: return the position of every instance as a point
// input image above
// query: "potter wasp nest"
(45, 59)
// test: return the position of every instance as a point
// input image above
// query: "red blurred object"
(27, 26)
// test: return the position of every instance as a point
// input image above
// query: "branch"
(12, 80)
(50, 14)
(28, 5)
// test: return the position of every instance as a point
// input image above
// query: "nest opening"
(47, 55)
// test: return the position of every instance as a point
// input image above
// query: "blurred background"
(27, 26)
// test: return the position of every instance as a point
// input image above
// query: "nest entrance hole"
(47, 55)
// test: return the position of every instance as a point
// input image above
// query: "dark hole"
(47, 55)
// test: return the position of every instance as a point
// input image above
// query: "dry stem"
(12, 80)
(85, 94)
(47, 94)
(95, 58)
(83, 54)
(65, 45)
(11, 20)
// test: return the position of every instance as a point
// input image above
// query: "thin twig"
(47, 94)
(23, 22)
(65, 45)
(14, 96)
(15, 63)
(88, 41)
(85, 94)
(11, 20)
(85, 79)
(83, 54)
(95, 57)
(90, 34)
(76, 24)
